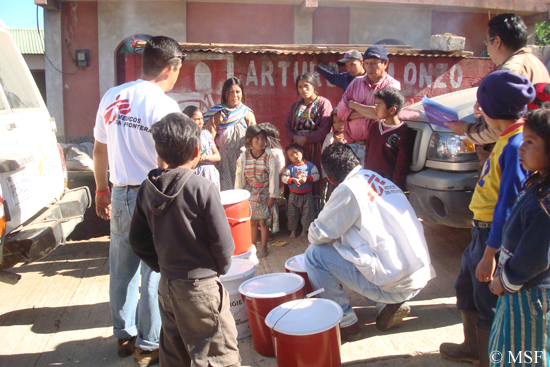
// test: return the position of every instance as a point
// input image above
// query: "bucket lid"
(272, 285)
(295, 264)
(234, 196)
(309, 316)
(240, 268)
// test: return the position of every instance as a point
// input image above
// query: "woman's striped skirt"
(519, 335)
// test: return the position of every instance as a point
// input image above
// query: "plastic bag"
(437, 113)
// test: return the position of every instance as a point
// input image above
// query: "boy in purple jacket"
(388, 150)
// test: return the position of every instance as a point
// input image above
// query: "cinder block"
(447, 42)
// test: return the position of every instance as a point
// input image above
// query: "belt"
(130, 186)
(480, 224)
(204, 278)
(200, 274)
(189, 278)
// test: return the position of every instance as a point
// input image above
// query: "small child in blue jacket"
(522, 279)
(299, 176)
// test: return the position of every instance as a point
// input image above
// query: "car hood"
(462, 100)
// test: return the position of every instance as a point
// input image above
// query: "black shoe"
(126, 346)
(350, 333)
(392, 315)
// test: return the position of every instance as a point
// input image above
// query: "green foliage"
(542, 33)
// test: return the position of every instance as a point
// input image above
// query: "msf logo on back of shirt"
(375, 186)
(111, 113)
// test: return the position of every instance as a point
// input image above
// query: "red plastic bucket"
(237, 210)
(296, 265)
(261, 295)
(306, 333)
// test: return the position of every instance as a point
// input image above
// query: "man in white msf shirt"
(125, 146)
(367, 238)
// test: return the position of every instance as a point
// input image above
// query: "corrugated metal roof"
(398, 50)
(28, 40)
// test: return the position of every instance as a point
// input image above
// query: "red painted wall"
(331, 25)
(269, 87)
(473, 26)
(240, 23)
(79, 30)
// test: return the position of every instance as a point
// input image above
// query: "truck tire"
(10, 260)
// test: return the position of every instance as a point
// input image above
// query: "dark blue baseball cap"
(376, 52)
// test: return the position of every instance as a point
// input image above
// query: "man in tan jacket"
(506, 39)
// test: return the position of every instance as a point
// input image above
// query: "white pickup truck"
(37, 211)
(444, 168)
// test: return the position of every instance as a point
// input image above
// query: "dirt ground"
(58, 314)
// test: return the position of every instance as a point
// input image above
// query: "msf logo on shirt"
(121, 105)
(375, 186)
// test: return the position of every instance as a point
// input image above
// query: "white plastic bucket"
(249, 255)
(240, 271)
(296, 265)
(300, 327)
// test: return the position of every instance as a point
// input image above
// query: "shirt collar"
(512, 127)
(367, 80)
(353, 172)
(523, 50)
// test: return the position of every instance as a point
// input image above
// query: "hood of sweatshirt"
(163, 186)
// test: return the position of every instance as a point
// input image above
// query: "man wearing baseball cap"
(357, 106)
(354, 68)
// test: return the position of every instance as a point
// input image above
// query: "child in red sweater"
(388, 150)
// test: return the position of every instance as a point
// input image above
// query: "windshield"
(14, 78)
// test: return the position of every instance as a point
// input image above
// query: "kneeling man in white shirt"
(368, 239)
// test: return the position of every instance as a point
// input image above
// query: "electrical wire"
(43, 46)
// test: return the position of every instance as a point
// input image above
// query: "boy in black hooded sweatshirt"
(179, 228)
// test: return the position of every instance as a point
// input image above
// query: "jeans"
(132, 314)
(359, 151)
(327, 269)
(471, 294)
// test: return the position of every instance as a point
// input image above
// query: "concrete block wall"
(369, 25)
(118, 20)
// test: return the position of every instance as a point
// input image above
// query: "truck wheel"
(10, 260)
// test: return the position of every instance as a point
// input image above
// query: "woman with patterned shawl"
(227, 122)
(308, 121)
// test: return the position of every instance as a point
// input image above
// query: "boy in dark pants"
(503, 97)
(179, 228)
